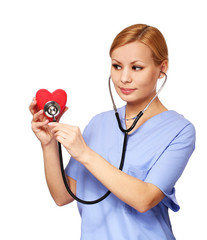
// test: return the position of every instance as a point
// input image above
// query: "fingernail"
(50, 123)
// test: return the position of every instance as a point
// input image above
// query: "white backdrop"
(64, 44)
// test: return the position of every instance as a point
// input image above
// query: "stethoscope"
(52, 109)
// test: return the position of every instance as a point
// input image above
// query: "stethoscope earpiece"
(162, 74)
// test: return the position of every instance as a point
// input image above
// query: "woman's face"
(134, 73)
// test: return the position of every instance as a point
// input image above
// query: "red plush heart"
(43, 96)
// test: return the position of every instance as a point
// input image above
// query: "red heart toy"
(59, 96)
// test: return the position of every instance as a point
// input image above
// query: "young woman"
(157, 151)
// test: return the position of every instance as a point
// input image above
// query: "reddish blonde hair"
(148, 35)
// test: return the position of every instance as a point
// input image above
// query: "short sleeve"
(171, 164)
(71, 169)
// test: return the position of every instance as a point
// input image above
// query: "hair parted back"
(148, 35)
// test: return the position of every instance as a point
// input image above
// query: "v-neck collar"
(150, 122)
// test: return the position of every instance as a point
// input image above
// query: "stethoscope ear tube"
(133, 124)
(140, 113)
(158, 92)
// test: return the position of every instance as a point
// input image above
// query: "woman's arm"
(54, 177)
(51, 157)
(136, 193)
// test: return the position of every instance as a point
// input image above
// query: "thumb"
(65, 110)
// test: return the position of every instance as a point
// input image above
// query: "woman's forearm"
(136, 193)
(53, 175)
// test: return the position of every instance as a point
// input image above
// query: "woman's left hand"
(71, 138)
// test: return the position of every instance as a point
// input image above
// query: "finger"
(65, 110)
(61, 125)
(33, 106)
(64, 139)
(51, 125)
(37, 115)
(55, 127)
(61, 140)
(63, 132)
(37, 125)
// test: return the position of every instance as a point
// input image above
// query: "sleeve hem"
(169, 200)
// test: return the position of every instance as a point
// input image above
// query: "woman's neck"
(155, 108)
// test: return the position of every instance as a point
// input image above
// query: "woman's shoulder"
(108, 115)
(167, 123)
(178, 118)
(176, 123)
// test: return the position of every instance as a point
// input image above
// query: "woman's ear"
(163, 68)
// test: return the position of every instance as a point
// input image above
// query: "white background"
(64, 44)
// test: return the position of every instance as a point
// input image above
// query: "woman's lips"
(127, 91)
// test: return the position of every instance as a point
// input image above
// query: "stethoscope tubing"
(124, 147)
(66, 182)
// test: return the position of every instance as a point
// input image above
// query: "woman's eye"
(116, 66)
(137, 68)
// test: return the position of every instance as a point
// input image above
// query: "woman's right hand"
(40, 124)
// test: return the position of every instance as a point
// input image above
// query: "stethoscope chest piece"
(52, 109)
(53, 104)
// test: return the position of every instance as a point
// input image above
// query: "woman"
(158, 148)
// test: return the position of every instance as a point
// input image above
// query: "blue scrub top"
(157, 152)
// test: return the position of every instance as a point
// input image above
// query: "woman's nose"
(125, 76)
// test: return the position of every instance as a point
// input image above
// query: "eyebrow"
(131, 62)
